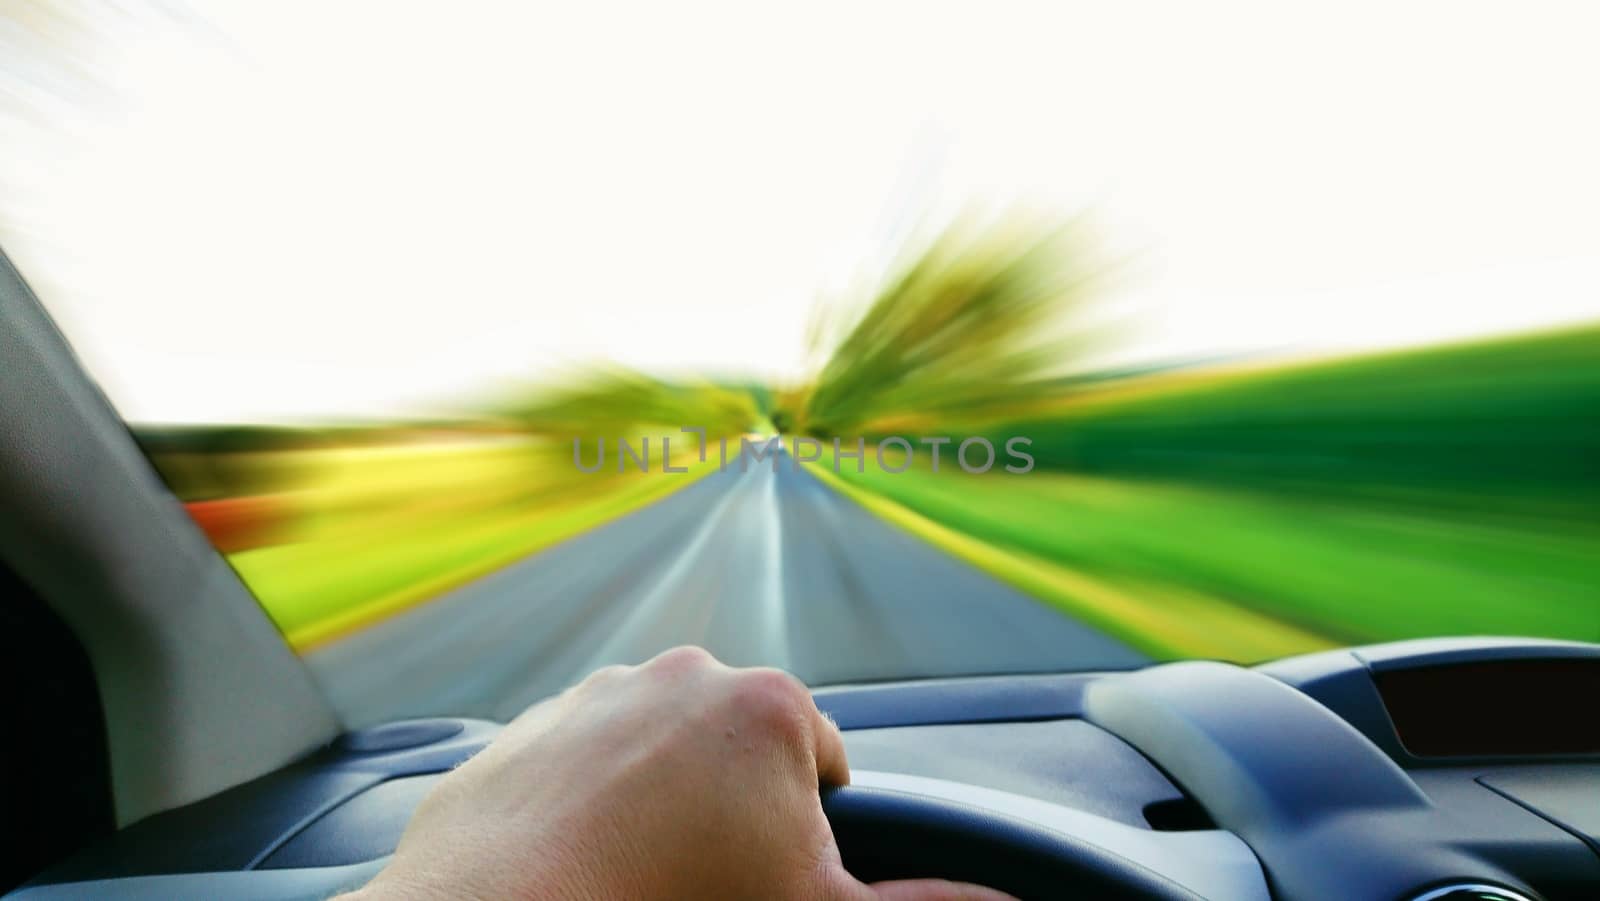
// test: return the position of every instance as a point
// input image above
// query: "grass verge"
(363, 559)
(1185, 571)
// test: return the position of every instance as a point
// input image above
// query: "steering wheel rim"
(884, 834)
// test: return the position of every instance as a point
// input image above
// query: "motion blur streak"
(1305, 350)
(1232, 511)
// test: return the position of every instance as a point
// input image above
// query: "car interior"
(162, 740)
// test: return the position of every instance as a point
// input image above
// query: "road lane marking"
(615, 649)
(775, 614)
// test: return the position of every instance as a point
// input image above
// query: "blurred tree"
(976, 322)
(613, 401)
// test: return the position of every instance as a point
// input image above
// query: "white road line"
(616, 648)
(774, 612)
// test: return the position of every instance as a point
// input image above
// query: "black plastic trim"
(890, 835)
(1300, 785)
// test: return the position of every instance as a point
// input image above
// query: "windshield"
(870, 343)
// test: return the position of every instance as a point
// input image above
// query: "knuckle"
(772, 699)
(682, 659)
(607, 674)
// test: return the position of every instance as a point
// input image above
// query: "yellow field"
(376, 530)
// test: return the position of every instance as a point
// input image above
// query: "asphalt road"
(759, 567)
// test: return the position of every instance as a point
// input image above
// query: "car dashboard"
(1434, 769)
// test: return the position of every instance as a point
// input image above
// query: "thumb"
(935, 890)
(847, 888)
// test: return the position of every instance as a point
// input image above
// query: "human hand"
(679, 778)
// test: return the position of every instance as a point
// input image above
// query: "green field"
(1256, 513)
(1184, 570)
(1509, 426)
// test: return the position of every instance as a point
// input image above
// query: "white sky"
(309, 211)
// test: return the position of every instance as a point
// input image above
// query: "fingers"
(935, 890)
(832, 767)
(792, 701)
(767, 695)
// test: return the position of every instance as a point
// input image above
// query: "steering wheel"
(895, 835)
